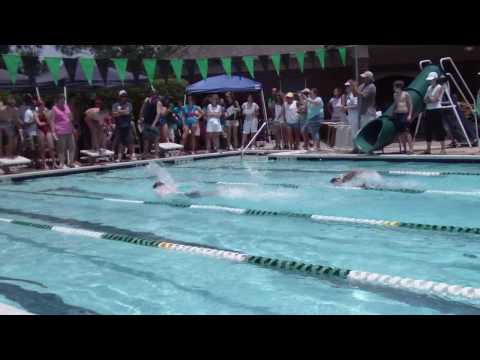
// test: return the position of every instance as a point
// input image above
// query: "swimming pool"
(86, 275)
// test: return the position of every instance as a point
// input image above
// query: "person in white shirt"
(279, 123)
(352, 108)
(434, 114)
(336, 106)
(250, 111)
(291, 117)
(214, 126)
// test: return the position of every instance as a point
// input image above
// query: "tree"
(132, 52)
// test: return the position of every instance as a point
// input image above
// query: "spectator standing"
(351, 105)
(214, 126)
(232, 124)
(336, 106)
(180, 120)
(302, 114)
(9, 125)
(250, 111)
(434, 126)
(30, 130)
(148, 115)
(367, 94)
(291, 117)
(279, 123)
(122, 113)
(193, 113)
(95, 120)
(61, 122)
(402, 115)
(315, 117)
(45, 136)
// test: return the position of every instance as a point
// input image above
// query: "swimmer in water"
(163, 189)
(357, 178)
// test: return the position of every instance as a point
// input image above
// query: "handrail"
(422, 62)
(253, 139)
(459, 75)
(474, 100)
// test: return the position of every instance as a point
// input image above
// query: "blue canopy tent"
(225, 83)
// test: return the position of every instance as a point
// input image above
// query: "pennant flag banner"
(71, 67)
(301, 60)
(343, 55)
(321, 56)
(121, 66)
(276, 62)
(88, 65)
(150, 66)
(249, 63)
(12, 63)
(227, 65)
(177, 65)
(203, 66)
(103, 66)
(54, 64)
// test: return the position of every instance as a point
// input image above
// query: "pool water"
(82, 275)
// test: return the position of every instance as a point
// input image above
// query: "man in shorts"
(122, 113)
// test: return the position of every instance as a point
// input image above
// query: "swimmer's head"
(337, 180)
(158, 184)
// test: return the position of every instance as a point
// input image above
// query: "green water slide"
(382, 132)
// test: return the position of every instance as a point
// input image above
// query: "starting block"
(6, 164)
(94, 156)
(170, 149)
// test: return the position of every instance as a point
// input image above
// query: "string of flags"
(13, 63)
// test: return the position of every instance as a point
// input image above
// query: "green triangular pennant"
(54, 64)
(150, 66)
(276, 62)
(177, 65)
(88, 65)
(321, 53)
(227, 65)
(249, 63)
(301, 60)
(343, 55)
(12, 62)
(121, 66)
(203, 66)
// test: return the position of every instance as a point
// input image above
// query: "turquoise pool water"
(86, 276)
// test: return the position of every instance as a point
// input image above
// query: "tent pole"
(37, 90)
(265, 116)
(65, 93)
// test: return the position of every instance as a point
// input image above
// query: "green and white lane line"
(352, 277)
(257, 212)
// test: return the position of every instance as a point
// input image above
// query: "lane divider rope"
(257, 212)
(383, 172)
(353, 277)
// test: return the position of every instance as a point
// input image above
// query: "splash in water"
(169, 187)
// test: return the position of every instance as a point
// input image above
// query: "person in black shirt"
(122, 113)
(150, 133)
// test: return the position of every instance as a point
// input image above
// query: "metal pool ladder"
(253, 139)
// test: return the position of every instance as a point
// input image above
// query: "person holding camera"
(434, 114)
